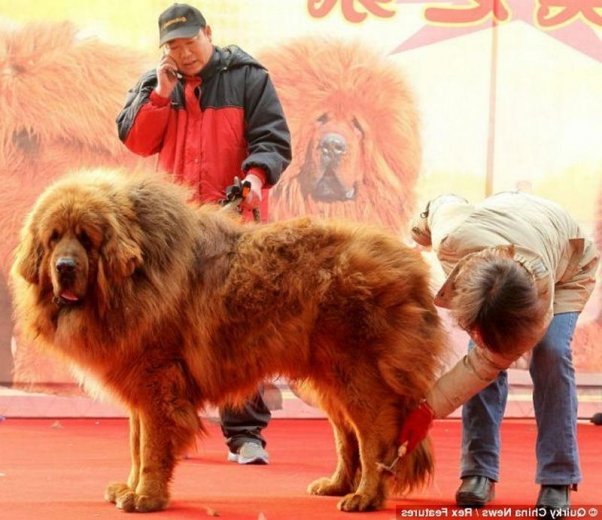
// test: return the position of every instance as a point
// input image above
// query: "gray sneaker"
(250, 453)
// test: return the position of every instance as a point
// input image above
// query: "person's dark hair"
(497, 297)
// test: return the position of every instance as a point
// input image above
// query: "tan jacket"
(548, 242)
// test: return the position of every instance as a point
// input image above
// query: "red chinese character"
(568, 9)
(477, 12)
(320, 8)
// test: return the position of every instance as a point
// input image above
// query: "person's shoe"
(554, 499)
(250, 453)
(475, 491)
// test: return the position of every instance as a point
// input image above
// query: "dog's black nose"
(333, 145)
(65, 265)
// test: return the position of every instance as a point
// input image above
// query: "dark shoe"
(475, 491)
(554, 499)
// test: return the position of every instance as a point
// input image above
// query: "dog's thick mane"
(135, 232)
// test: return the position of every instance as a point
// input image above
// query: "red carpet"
(57, 470)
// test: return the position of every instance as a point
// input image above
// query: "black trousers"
(240, 425)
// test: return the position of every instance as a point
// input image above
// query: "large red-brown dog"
(168, 308)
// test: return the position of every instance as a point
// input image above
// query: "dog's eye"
(27, 142)
(357, 125)
(84, 240)
(54, 236)
(323, 119)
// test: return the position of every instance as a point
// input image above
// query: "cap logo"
(172, 21)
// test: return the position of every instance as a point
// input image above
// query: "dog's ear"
(28, 256)
(120, 254)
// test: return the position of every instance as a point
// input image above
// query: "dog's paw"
(359, 502)
(127, 500)
(148, 503)
(327, 487)
(121, 495)
(115, 490)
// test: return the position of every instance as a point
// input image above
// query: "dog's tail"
(414, 470)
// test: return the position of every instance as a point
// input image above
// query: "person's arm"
(470, 375)
(267, 132)
(142, 122)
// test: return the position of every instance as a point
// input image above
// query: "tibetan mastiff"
(355, 132)
(168, 307)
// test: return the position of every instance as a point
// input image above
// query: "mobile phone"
(174, 74)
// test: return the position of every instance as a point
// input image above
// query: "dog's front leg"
(157, 462)
(163, 427)
(168, 424)
(153, 461)
(121, 493)
(134, 450)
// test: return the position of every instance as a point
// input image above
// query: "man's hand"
(167, 76)
(416, 426)
(252, 199)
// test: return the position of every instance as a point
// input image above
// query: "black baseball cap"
(180, 21)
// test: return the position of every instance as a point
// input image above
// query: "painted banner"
(426, 96)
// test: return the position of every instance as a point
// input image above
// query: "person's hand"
(253, 198)
(167, 76)
(416, 426)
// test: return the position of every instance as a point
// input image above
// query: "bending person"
(519, 271)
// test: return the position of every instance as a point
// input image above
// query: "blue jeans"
(555, 404)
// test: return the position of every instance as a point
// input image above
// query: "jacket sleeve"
(470, 375)
(142, 122)
(267, 132)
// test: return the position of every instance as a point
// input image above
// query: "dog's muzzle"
(66, 270)
(332, 148)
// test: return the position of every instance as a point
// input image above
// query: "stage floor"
(56, 469)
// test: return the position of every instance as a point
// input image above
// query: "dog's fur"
(169, 308)
(355, 133)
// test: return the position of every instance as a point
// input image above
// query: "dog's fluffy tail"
(414, 470)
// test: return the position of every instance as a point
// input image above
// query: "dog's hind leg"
(344, 478)
(377, 428)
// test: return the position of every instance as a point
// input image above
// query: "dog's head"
(78, 238)
(354, 131)
(329, 172)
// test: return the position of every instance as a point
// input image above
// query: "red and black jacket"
(240, 125)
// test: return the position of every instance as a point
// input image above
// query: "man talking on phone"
(211, 115)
